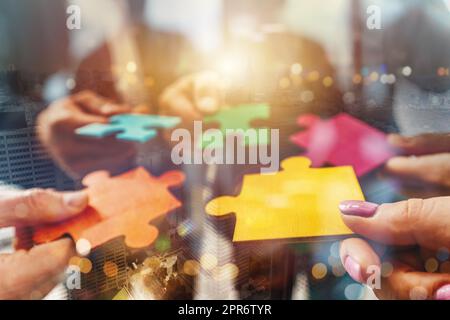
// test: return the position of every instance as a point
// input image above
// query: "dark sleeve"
(95, 74)
(164, 58)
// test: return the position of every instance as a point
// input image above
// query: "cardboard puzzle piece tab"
(130, 127)
(119, 206)
(298, 202)
(343, 140)
(239, 118)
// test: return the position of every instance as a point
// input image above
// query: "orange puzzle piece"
(119, 206)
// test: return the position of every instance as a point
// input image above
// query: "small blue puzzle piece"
(130, 127)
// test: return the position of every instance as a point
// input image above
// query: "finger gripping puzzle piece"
(238, 119)
(343, 140)
(130, 127)
(119, 206)
(298, 202)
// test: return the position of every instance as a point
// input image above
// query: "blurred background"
(414, 35)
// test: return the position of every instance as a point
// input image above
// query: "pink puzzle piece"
(343, 140)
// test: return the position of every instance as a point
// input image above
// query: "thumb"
(207, 92)
(94, 104)
(413, 222)
(34, 273)
(38, 206)
(423, 144)
(408, 283)
(432, 168)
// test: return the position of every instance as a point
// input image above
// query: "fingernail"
(353, 269)
(358, 208)
(76, 200)
(110, 108)
(395, 162)
(443, 293)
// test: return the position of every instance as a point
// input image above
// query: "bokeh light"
(232, 65)
(431, 265)
(442, 72)
(296, 69)
(307, 96)
(443, 254)
(349, 98)
(36, 295)
(357, 79)
(445, 267)
(110, 269)
(131, 67)
(353, 291)
(225, 273)
(208, 261)
(284, 83)
(83, 247)
(374, 76)
(407, 71)
(334, 249)
(163, 243)
(191, 268)
(319, 271)
(85, 265)
(184, 228)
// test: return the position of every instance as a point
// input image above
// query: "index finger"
(38, 206)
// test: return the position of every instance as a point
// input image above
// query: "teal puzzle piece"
(239, 119)
(130, 127)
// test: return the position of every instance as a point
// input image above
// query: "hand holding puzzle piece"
(130, 127)
(119, 206)
(341, 141)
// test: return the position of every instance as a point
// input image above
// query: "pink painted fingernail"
(353, 269)
(443, 293)
(358, 208)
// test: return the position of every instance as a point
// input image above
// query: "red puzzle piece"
(119, 206)
(343, 140)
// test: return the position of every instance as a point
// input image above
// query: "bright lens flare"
(232, 66)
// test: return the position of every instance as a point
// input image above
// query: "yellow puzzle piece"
(297, 202)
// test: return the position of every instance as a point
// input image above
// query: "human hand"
(81, 155)
(32, 274)
(414, 230)
(428, 160)
(192, 97)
